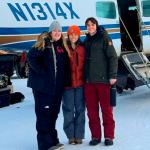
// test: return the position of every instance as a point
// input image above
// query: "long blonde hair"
(64, 39)
(40, 43)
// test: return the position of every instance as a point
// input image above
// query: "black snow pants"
(47, 108)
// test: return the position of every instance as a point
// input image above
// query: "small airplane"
(127, 22)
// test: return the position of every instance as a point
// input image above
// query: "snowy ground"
(132, 115)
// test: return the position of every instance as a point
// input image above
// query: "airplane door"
(130, 25)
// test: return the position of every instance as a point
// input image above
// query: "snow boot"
(94, 142)
(108, 142)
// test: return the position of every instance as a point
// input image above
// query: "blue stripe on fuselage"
(23, 46)
(18, 31)
(37, 30)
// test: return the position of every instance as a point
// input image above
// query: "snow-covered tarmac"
(132, 115)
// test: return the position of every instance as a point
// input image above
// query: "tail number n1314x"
(38, 11)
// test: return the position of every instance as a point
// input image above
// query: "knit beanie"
(74, 29)
(55, 26)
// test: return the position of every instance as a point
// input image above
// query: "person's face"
(56, 35)
(73, 38)
(91, 27)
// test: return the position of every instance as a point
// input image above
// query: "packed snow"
(132, 116)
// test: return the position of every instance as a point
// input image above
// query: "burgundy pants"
(99, 95)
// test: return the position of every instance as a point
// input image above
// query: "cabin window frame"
(109, 15)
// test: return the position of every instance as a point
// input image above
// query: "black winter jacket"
(42, 76)
(101, 58)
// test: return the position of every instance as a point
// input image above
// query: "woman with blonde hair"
(48, 63)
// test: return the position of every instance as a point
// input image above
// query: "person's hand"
(112, 81)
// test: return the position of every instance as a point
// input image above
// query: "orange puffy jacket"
(77, 60)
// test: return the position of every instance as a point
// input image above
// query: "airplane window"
(106, 10)
(146, 8)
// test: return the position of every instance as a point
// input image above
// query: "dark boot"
(108, 142)
(94, 142)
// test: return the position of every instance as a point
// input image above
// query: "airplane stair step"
(138, 65)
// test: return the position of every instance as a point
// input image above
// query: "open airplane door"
(130, 26)
(132, 56)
